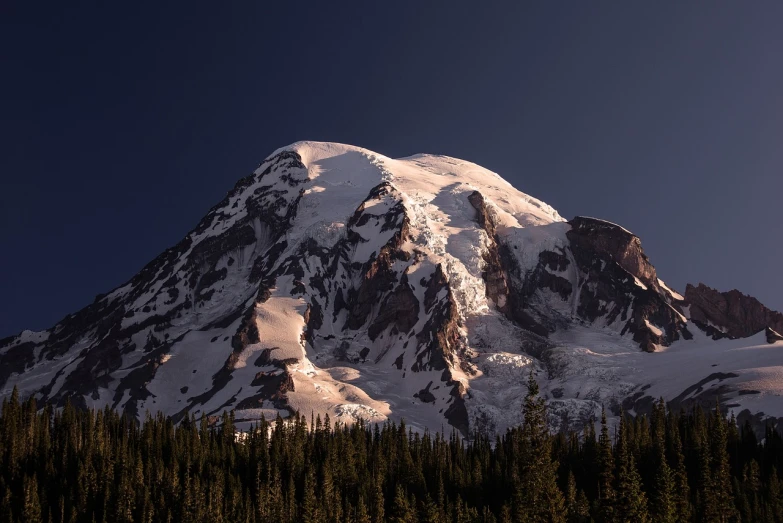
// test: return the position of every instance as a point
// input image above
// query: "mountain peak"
(337, 280)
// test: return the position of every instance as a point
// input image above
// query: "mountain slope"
(336, 280)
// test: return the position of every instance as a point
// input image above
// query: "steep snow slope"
(338, 281)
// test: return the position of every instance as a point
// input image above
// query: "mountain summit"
(338, 281)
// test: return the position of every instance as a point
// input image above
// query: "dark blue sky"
(124, 122)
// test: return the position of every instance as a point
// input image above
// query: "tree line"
(69, 465)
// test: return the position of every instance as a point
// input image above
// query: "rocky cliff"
(729, 314)
(337, 281)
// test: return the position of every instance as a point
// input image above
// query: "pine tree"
(215, 497)
(582, 506)
(274, 498)
(606, 495)
(705, 491)
(662, 500)
(719, 505)
(73, 466)
(542, 499)
(310, 512)
(125, 503)
(292, 514)
(430, 511)
(31, 512)
(774, 493)
(577, 506)
(378, 502)
(505, 514)
(327, 493)
(401, 511)
(751, 491)
(681, 493)
(6, 515)
(362, 516)
(631, 504)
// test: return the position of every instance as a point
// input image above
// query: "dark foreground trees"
(98, 466)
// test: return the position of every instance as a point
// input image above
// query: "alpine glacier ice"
(338, 281)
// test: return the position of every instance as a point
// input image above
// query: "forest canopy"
(64, 465)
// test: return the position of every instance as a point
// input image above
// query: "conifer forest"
(69, 465)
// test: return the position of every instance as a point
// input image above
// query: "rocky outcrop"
(617, 282)
(729, 314)
(163, 301)
(400, 311)
(494, 274)
(773, 336)
(438, 338)
(342, 282)
(602, 273)
(503, 278)
(612, 242)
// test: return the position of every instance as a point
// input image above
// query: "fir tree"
(401, 511)
(31, 512)
(310, 512)
(577, 506)
(719, 506)
(542, 500)
(662, 500)
(378, 512)
(362, 515)
(73, 466)
(631, 502)
(774, 497)
(681, 493)
(606, 496)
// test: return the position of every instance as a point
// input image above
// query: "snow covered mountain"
(337, 280)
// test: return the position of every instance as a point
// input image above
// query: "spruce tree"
(31, 511)
(378, 503)
(605, 490)
(505, 514)
(362, 516)
(662, 500)
(6, 515)
(292, 512)
(631, 502)
(542, 499)
(102, 466)
(681, 493)
(720, 504)
(774, 493)
(310, 512)
(751, 491)
(577, 506)
(401, 511)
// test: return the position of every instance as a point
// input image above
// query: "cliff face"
(587, 271)
(730, 314)
(612, 242)
(336, 281)
(616, 270)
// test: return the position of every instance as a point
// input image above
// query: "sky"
(122, 123)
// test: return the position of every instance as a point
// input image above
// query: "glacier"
(336, 281)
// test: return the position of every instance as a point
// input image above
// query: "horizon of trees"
(69, 465)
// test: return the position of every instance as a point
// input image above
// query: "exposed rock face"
(338, 281)
(730, 314)
(216, 291)
(620, 283)
(773, 336)
(600, 274)
(494, 274)
(500, 269)
(137, 324)
(612, 242)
